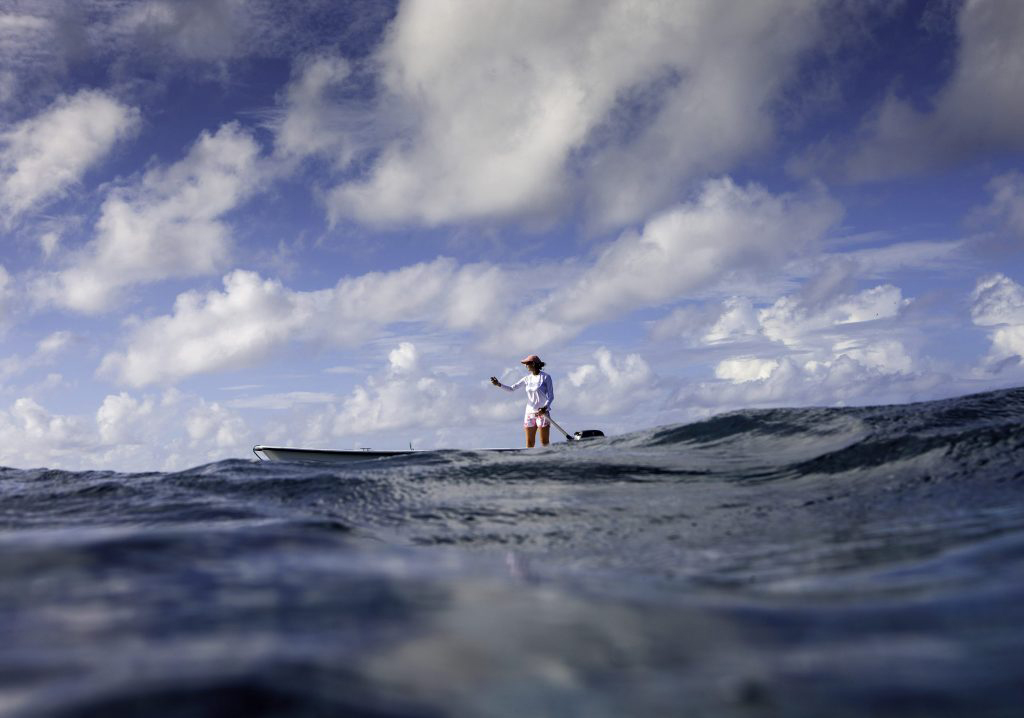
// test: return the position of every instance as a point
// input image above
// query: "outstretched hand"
(494, 380)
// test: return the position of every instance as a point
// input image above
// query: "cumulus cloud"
(41, 157)
(608, 386)
(877, 356)
(828, 315)
(819, 330)
(790, 319)
(253, 316)
(217, 426)
(827, 343)
(743, 369)
(169, 431)
(788, 381)
(122, 418)
(998, 303)
(221, 329)
(736, 322)
(168, 224)
(979, 111)
(526, 110)
(404, 358)
(405, 396)
(728, 229)
(30, 420)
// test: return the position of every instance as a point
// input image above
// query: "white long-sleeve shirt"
(540, 392)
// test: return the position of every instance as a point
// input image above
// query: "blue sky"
(229, 222)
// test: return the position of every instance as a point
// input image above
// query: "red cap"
(531, 359)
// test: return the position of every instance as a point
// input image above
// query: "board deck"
(330, 456)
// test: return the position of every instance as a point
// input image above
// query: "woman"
(539, 395)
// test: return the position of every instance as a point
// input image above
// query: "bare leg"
(545, 435)
(531, 436)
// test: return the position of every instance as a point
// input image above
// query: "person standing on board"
(539, 395)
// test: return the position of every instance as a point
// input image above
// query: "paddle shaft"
(555, 424)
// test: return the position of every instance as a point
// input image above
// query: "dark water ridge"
(791, 562)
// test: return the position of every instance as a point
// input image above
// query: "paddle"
(555, 424)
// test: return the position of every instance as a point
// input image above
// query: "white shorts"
(531, 420)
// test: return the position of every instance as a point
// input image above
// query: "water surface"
(791, 562)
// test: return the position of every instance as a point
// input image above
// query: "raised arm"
(494, 380)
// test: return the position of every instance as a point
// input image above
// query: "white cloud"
(122, 418)
(839, 381)
(404, 396)
(35, 424)
(43, 156)
(727, 229)
(521, 111)
(216, 426)
(1007, 205)
(233, 328)
(254, 316)
(979, 111)
(53, 343)
(169, 224)
(311, 124)
(398, 402)
(790, 319)
(48, 243)
(997, 299)
(129, 433)
(819, 330)
(404, 358)
(734, 320)
(878, 261)
(737, 321)
(742, 369)
(888, 356)
(608, 386)
(998, 303)
(825, 344)
(46, 351)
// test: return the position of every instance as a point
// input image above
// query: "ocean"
(819, 562)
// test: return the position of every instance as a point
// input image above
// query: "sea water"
(788, 562)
